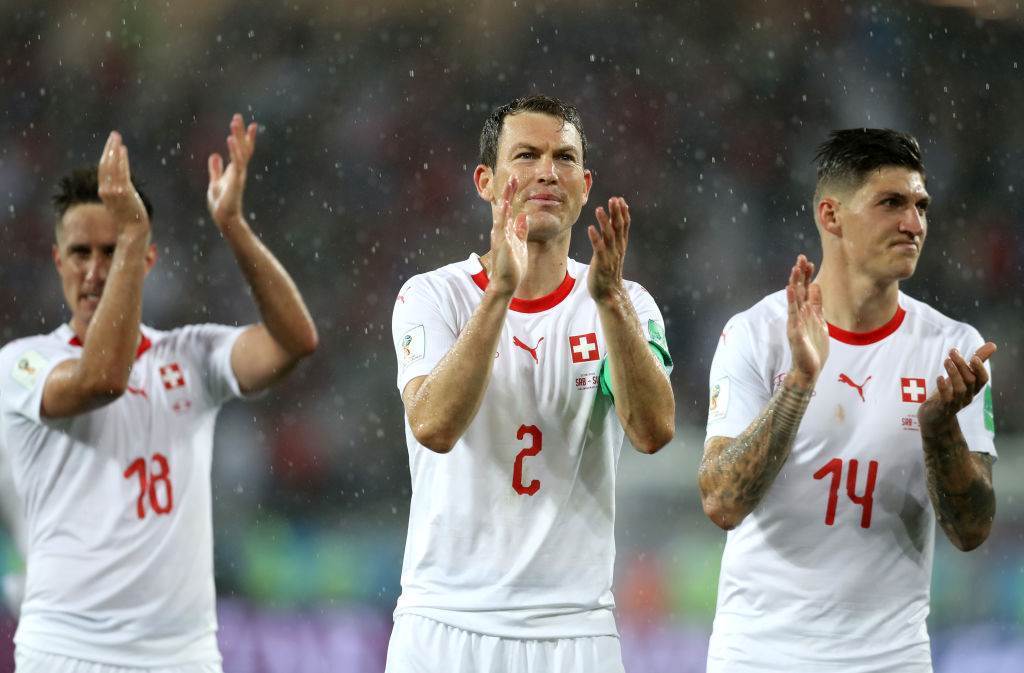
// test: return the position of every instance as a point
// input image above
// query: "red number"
(148, 485)
(138, 465)
(866, 500)
(835, 468)
(532, 450)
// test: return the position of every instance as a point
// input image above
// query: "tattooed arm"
(959, 480)
(735, 473)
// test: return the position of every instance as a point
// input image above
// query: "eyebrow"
(558, 150)
(902, 196)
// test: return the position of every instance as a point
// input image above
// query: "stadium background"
(703, 115)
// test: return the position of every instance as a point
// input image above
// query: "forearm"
(113, 333)
(959, 485)
(643, 396)
(278, 300)
(735, 475)
(446, 401)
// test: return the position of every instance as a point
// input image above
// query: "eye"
(567, 157)
(525, 154)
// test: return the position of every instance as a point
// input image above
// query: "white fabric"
(12, 522)
(797, 594)
(480, 555)
(420, 645)
(27, 660)
(116, 574)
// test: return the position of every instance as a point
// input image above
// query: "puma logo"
(137, 391)
(531, 351)
(843, 378)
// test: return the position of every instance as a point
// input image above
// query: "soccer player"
(109, 425)
(520, 371)
(845, 417)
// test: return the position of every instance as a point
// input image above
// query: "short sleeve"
(423, 329)
(24, 369)
(209, 346)
(977, 419)
(739, 391)
(652, 323)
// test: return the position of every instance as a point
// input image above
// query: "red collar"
(144, 344)
(866, 338)
(539, 304)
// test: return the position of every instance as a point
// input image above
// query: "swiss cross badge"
(584, 347)
(913, 390)
(172, 376)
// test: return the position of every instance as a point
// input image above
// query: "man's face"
(884, 223)
(82, 254)
(545, 153)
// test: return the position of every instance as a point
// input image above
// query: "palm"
(227, 185)
(806, 328)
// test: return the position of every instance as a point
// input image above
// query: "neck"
(545, 268)
(854, 302)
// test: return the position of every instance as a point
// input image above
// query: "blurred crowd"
(704, 116)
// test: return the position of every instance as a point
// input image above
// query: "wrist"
(612, 297)
(799, 382)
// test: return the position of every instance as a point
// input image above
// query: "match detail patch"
(989, 412)
(27, 368)
(413, 345)
(718, 404)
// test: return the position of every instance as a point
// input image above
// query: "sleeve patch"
(413, 345)
(718, 405)
(989, 412)
(27, 368)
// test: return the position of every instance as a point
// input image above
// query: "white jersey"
(117, 500)
(511, 533)
(832, 570)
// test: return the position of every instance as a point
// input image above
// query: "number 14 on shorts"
(835, 468)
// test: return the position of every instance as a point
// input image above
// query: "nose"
(914, 222)
(546, 170)
(96, 269)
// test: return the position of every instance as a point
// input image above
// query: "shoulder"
(928, 322)
(765, 314)
(44, 344)
(443, 279)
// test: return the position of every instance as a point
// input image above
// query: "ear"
(150, 257)
(588, 179)
(828, 216)
(483, 178)
(57, 262)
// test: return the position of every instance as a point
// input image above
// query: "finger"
(124, 171)
(234, 152)
(798, 283)
(814, 299)
(250, 137)
(979, 371)
(107, 146)
(521, 227)
(966, 373)
(215, 164)
(986, 351)
(506, 203)
(955, 380)
(595, 239)
(944, 389)
(625, 222)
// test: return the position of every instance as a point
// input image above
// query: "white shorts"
(421, 645)
(27, 660)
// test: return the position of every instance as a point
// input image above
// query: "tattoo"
(742, 472)
(959, 485)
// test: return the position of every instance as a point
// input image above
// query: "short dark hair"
(849, 155)
(543, 104)
(82, 185)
